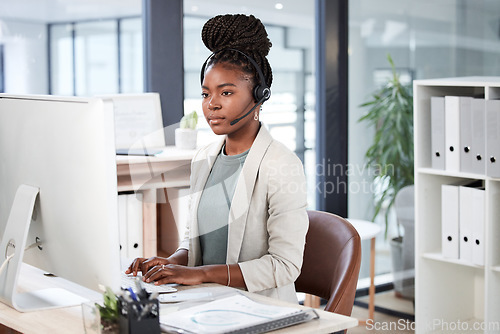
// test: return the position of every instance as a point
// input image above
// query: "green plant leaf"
(189, 121)
(390, 111)
(109, 309)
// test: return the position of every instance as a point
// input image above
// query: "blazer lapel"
(240, 203)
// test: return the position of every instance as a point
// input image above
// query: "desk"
(69, 319)
(368, 230)
(146, 174)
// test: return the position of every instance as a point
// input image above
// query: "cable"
(8, 258)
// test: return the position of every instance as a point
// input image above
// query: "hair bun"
(236, 31)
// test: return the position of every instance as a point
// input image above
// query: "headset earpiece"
(261, 93)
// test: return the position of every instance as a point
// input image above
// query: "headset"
(261, 92)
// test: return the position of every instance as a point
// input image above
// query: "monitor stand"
(14, 242)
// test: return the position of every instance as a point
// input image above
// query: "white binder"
(478, 237)
(449, 221)
(478, 136)
(466, 218)
(465, 133)
(437, 132)
(122, 221)
(130, 219)
(493, 138)
(452, 107)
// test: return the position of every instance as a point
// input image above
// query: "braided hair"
(243, 33)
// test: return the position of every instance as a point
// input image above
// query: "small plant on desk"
(109, 312)
(186, 135)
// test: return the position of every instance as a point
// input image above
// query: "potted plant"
(186, 134)
(390, 112)
(102, 318)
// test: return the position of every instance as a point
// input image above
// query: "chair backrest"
(332, 258)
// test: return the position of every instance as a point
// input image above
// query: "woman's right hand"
(143, 264)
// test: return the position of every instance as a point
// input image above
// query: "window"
(96, 57)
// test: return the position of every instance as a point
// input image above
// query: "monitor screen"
(62, 151)
(138, 121)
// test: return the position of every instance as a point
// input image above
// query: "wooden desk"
(70, 320)
(60, 320)
(148, 174)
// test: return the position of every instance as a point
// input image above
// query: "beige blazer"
(267, 219)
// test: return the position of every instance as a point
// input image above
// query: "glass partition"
(96, 57)
(426, 39)
(61, 60)
(131, 56)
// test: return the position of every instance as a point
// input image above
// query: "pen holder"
(141, 316)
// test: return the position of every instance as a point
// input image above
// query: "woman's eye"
(204, 95)
(226, 93)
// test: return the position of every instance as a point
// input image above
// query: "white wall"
(25, 56)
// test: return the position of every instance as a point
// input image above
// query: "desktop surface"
(69, 319)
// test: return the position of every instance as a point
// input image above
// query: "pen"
(132, 294)
(141, 292)
(145, 311)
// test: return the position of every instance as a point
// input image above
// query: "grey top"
(215, 202)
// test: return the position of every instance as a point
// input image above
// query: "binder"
(478, 235)
(452, 110)
(135, 244)
(122, 224)
(493, 138)
(130, 218)
(465, 133)
(437, 133)
(450, 221)
(467, 218)
(478, 123)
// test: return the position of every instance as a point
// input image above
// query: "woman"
(248, 217)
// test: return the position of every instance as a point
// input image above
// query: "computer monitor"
(59, 188)
(138, 122)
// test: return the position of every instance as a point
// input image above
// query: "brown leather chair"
(332, 258)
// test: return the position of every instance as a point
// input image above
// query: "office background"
(83, 47)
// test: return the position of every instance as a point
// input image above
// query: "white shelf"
(496, 268)
(455, 291)
(440, 257)
(472, 81)
(432, 171)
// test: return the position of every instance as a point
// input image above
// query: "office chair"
(332, 258)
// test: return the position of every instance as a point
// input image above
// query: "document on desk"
(234, 314)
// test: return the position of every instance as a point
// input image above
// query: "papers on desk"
(234, 314)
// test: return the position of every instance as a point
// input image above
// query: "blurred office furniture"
(163, 181)
(368, 230)
(332, 259)
(456, 291)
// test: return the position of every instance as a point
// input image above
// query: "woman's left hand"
(172, 273)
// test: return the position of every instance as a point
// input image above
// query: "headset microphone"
(233, 122)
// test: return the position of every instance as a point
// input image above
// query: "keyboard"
(130, 281)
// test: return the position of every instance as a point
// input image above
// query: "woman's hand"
(144, 265)
(172, 273)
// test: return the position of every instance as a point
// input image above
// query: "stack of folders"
(234, 314)
(463, 222)
(465, 135)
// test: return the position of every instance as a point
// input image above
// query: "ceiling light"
(278, 5)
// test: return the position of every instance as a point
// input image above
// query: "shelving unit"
(452, 294)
